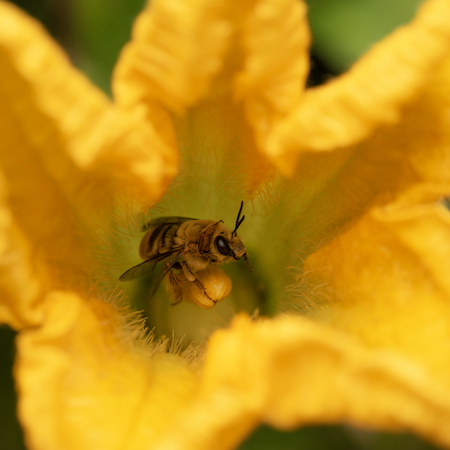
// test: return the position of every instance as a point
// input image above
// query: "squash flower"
(345, 224)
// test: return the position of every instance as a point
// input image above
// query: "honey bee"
(190, 248)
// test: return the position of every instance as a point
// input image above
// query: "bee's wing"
(141, 270)
(145, 268)
(163, 274)
(171, 220)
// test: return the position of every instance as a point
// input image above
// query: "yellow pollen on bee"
(217, 285)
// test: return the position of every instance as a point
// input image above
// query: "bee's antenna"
(238, 222)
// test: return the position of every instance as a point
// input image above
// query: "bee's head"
(229, 245)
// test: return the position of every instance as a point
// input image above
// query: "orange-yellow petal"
(290, 371)
(372, 93)
(385, 280)
(330, 190)
(78, 373)
(52, 113)
(218, 60)
(20, 286)
(275, 40)
(177, 48)
(67, 153)
(84, 383)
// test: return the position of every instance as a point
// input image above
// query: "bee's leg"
(192, 278)
(247, 262)
(174, 286)
(189, 275)
(202, 288)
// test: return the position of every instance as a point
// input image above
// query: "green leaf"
(345, 29)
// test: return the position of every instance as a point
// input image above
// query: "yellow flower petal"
(84, 383)
(51, 110)
(385, 280)
(275, 40)
(332, 189)
(372, 93)
(220, 62)
(177, 48)
(20, 286)
(66, 153)
(290, 372)
(286, 372)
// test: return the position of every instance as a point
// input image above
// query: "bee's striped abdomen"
(157, 240)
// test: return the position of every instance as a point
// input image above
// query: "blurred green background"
(93, 32)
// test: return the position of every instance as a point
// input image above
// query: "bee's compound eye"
(222, 245)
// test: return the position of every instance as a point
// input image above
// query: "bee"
(190, 248)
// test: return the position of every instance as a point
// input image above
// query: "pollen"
(217, 285)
